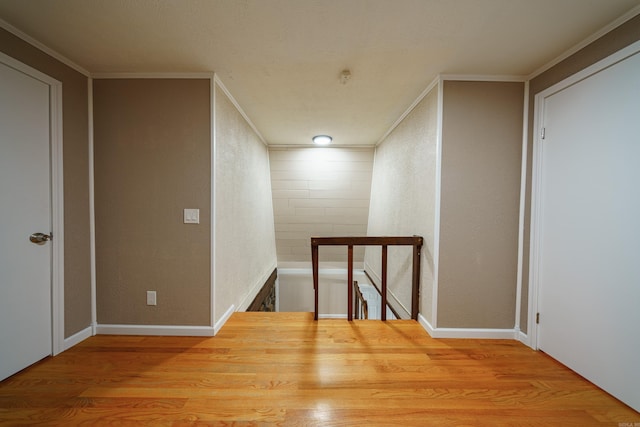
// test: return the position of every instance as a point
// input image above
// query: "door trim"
(536, 177)
(57, 198)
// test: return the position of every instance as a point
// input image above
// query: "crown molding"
(408, 111)
(224, 89)
(584, 43)
(483, 78)
(160, 75)
(332, 145)
(35, 43)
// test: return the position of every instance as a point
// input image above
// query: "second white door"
(589, 271)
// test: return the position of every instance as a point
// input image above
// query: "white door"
(25, 208)
(589, 229)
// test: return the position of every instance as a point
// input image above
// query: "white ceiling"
(282, 59)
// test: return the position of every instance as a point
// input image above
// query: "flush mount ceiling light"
(322, 139)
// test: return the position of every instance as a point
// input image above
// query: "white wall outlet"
(192, 216)
(151, 298)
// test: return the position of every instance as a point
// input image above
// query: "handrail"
(362, 308)
(350, 242)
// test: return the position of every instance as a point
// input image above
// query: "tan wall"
(244, 235)
(610, 43)
(403, 197)
(77, 266)
(152, 160)
(480, 197)
(319, 191)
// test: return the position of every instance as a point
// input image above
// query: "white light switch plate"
(151, 298)
(192, 216)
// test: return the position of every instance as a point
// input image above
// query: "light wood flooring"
(286, 369)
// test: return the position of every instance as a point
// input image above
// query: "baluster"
(350, 283)
(316, 285)
(383, 313)
(415, 281)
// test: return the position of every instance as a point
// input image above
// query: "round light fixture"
(322, 139)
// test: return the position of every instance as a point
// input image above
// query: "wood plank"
(287, 369)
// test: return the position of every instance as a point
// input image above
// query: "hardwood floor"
(286, 369)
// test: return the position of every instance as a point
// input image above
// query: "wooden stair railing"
(350, 242)
(362, 308)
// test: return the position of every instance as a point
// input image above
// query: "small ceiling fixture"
(322, 139)
(345, 76)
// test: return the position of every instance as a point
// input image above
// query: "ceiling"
(282, 59)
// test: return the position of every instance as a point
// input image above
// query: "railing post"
(415, 281)
(384, 242)
(383, 312)
(314, 266)
(350, 283)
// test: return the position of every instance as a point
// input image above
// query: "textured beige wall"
(244, 234)
(480, 196)
(77, 266)
(606, 45)
(152, 160)
(403, 198)
(319, 191)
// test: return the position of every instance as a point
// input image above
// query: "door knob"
(40, 238)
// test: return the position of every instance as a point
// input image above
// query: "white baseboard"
(523, 338)
(220, 323)
(475, 333)
(168, 330)
(77, 338)
(255, 289)
(332, 316)
(392, 299)
(426, 325)
(395, 303)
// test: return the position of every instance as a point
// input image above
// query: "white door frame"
(57, 199)
(536, 177)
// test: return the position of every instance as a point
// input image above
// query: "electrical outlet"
(151, 298)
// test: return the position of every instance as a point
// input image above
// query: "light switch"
(151, 298)
(192, 216)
